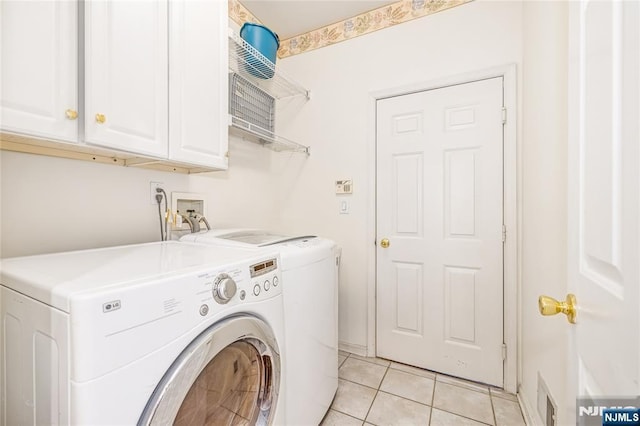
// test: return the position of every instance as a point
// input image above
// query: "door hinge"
(504, 233)
(504, 351)
(504, 115)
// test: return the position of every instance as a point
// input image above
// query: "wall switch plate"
(152, 193)
(344, 186)
(344, 207)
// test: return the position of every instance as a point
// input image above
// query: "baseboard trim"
(354, 349)
(530, 417)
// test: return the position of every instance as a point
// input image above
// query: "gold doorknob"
(71, 114)
(384, 243)
(550, 306)
(100, 118)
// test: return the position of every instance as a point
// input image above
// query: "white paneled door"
(604, 200)
(440, 230)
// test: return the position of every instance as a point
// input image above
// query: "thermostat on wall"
(344, 187)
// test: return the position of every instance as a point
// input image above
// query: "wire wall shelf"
(250, 103)
(266, 137)
(247, 61)
(254, 86)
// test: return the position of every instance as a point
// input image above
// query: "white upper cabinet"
(153, 79)
(39, 80)
(198, 82)
(126, 75)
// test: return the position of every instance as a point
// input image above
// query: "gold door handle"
(100, 118)
(71, 114)
(550, 306)
(384, 243)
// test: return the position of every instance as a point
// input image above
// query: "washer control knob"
(256, 289)
(275, 281)
(267, 285)
(224, 288)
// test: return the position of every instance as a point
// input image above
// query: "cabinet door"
(126, 75)
(39, 79)
(198, 82)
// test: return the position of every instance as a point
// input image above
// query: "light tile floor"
(374, 391)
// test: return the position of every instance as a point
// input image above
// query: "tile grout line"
(359, 358)
(362, 384)
(346, 414)
(493, 410)
(458, 414)
(514, 398)
(461, 385)
(388, 392)
(462, 416)
(433, 398)
(376, 395)
(362, 358)
(356, 383)
(343, 361)
(408, 399)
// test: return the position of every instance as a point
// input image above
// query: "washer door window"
(230, 374)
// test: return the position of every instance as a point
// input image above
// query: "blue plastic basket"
(264, 41)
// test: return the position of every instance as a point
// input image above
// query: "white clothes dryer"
(159, 333)
(310, 289)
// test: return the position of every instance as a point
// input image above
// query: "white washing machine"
(159, 333)
(310, 290)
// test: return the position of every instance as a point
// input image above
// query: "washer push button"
(267, 285)
(256, 289)
(204, 310)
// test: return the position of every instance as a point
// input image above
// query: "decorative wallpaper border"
(368, 22)
(240, 14)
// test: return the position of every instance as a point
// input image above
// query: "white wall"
(52, 204)
(337, 123)
(544, 184)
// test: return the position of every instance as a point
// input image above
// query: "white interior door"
(604, 193)
(440, 207)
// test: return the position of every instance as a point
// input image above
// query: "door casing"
(512, 209)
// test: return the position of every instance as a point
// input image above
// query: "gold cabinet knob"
(550, 306)
(384, 243)
(71, 114)
(100, 118)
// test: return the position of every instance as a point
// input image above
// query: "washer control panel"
(264, 277)
(244, 283)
